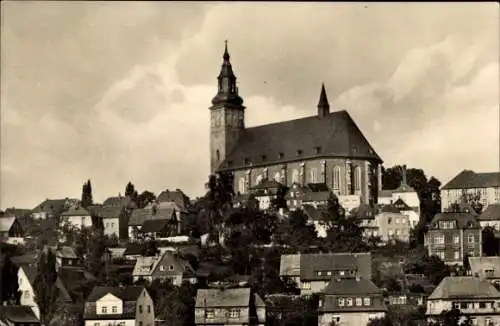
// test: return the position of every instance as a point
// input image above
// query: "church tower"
(227, 115)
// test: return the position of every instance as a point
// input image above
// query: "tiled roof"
(63, 251)
(333, 135)
(403, 187)
(6, 223)
(267, 184)
(236, 297)
(478, 265)
(312, 196)
(107, 211)
(134, 249)
(290, 265)
(464, 287)
(139, 215)
(311, 263)
(18, 314)
(401, 205)
(17, 212)
(364, 212)
(470, 179)
(127, 293)
(122, 201)
(390, 209)
(154, 225)
(76, 211)
(314, 214)
(25, 259)
(351, 286)
(464, 220)
(176, 196)
(53, 206)
(491, 213)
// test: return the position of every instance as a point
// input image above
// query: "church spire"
(323, 105)
(227, 90)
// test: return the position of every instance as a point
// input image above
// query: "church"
(326, 148)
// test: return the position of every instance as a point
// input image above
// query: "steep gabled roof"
(464, 220)
(52, 206)
(107, 211)
(127, 293)
(122, 201)
(464, 287)
(154, 225)
(478, 265)
(176, 196)
(351, 286)
(469, 179)
(139, 216)
(310, 264)
(18, 314)
(6, 223)
(401, 205)
(335, 135)
(76, 211)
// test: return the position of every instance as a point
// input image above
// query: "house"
(486, 185)
(315, 216)
(17, 212)
(404, 192)
(452, 236)
(26, 277)
(65, 256)
(17, 316)
(159, 229)
(234, 306)
(52, 208)
(166, 266)
(114, 220)
(139, 216)
(312, 272)
(475, 298)
(350, 302)
(487, 268)
(176, 196)
(411, 212)
(265, 192)
(77, 217)
(316, 195)
(490, 217)
(392, 225)
(131, 305)
(11, 231)
(365, 214)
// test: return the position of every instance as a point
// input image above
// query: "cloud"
(120, 92)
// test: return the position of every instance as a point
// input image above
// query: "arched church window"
(277, 177)
(357, 178)
(241, 185)
(313, 175)
(295, 176)
(217, 155)
(336, 178)
(258, 180)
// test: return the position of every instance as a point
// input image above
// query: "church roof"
(334, 135)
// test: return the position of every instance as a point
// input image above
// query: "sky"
(119, 91)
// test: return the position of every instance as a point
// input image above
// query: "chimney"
(404, 175)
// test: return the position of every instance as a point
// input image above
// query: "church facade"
(325, 148)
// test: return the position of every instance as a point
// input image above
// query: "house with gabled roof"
(130, 305)
(52, 208)
(313, 272)
(121, 201)
(65, 255)
(139, 216)
(453, 236)
(365, 214)
(467, 182)
(411, 212)
(316, 195)
(265, 192)
(231, 306)
(490, 217)
(114, 220)
(487, 268)
(167, 267)
(392, 224)
(350, 302)
(475, 298)
(175, 196)
(11, 230)
(18, 316)
(322, 148)
(77, 217)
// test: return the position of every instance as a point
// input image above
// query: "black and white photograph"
(243, 163)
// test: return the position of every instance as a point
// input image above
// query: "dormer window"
(318, 150)
(229, 163)
(247, 161)
(171, 267)
(281, 156)
(299, 152)
(264, 158)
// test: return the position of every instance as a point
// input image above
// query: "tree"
(383, 321)
(219, 200)
(94, 262)
(491, 244)
(295, 232)
(87, 194)
(280, 201)
(432, 267)
(145, 198)
(131, 192)
(151, 249)
(46, 291)
(10, 286)
(174, 306)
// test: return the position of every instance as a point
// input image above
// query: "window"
(217, 155)
(299, 152)
(314, 175)
(277, 177)
(140, 323)
(357, 178)
(149, 309)
(112, 224)
(258, 180)
(281, 156)
(107, 224)
(336, 178)
(349, 302)
(439, 239)
(140, 309)
(456, 256)
(341, 273)
(264, 158)
(389, 221)
(104, 310)
(241, 185)
(340, 302)
(470, 238)
(96, 324)
(397, 220)
(482, 305)
(235, 313)
(114, 309)
(306, 285)
(456, 239)
(210, 313)
(359, 301)
(318, 150)
(162, 268)
(295, 176)
(319, 273)
(329, 273)
(440, 254)
(366, 301)
(26, 294)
